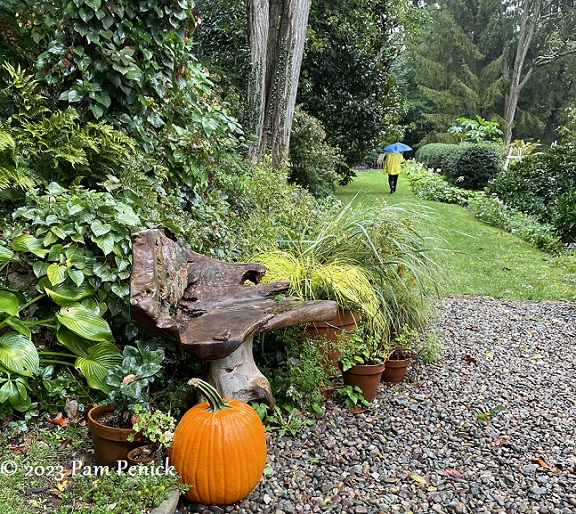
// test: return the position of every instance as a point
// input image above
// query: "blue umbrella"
(397, 147)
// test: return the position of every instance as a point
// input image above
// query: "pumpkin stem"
(212, 395)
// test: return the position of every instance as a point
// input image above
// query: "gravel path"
(422, 448)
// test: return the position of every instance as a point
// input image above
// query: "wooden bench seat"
(213, 307)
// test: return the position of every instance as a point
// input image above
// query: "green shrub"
(312, 161)
(66, 263)
(541, 185)
(439, 156)
(493, 211)
(430, 185)
(476, 166)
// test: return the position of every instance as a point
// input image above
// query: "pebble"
(489, 428)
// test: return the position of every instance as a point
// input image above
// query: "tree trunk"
(277, 31)
(528, 23)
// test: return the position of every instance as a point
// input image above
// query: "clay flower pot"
(366, 377)
(395, 370)
(110, 443)
(334, 330)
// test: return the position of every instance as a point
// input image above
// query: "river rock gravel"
(489, 428)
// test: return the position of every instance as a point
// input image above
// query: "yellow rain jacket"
(392, 163)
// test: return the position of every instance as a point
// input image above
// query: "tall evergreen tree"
(479, 58)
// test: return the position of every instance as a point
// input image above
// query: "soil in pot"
(110, 443)
(366, 377)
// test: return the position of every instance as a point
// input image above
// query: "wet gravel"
(489, 428)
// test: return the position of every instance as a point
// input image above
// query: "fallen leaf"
(500, 441)
(452, 473)
(59, 419)
(417, 478)
(489, 355)
(112, 506)
(63, 485)
(469, 359)
(537, 356)
(464, 371)
(492, 412)
(128, 379)
(542, 463)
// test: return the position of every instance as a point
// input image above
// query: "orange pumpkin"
(219, 448)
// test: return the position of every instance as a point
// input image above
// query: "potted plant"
(362, 358)
(127, 386)
(404, 346)
(157, 428)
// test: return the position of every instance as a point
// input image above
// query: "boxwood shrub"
(476, 166)
(440, 156)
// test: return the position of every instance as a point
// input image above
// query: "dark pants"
(392, 181)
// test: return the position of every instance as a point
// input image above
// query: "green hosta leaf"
(96, 364)
(18, 326)
(64, 294)
(76, 344)
(9, 303)
(85, 323)
(56, 274)
(18, 354)
(28, 243)
(6, 254)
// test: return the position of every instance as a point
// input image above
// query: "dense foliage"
(312, 160)
(347, 78)
(466, 63)
(439, 156)
(543, 185)
(476, 166)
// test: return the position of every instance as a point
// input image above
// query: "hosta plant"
(65, 265)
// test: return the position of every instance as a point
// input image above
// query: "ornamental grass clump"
(372, 260)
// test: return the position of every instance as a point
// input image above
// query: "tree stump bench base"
(213, 307)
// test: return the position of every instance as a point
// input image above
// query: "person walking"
(392, 165)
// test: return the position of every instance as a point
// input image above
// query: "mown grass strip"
(479, 260)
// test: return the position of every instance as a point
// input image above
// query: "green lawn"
(478, 259)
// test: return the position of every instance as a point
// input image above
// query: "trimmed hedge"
(440, 156)
(476, 166)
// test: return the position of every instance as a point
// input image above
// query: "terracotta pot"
(334, 330)
(135, 457)
(366, 377)
(395, 370)
(110, 443)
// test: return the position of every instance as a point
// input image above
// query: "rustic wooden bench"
(214, 308)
